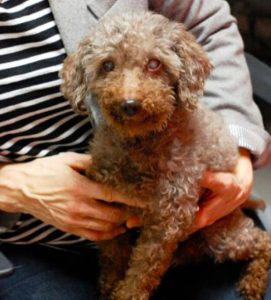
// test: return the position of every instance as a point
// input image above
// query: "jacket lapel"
(75, 18)
(104, 8)
(99, 8)
(127, 6)
(73, 21)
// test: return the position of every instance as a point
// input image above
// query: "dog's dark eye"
(108, 66)
(154, 65)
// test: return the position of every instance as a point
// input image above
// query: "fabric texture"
(36, 120)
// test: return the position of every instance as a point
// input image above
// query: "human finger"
(207, 209)
(244, 170)
(77, 161)
(99, 210)
(103, 192)
(90, 223)
(133, 221)
(93, 235)
(214, 209)
(220, 182)
(81, 162)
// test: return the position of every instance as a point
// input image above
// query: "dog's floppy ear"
(73, 86)
(194, 67)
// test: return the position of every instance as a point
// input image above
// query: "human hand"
(228, 191)
(53, 190)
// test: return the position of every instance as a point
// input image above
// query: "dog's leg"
(153, 253)
(191, 251)
(236, 238)
(114, 257)
(253, 282)
(150, 260)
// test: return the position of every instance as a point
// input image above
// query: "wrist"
(10, 195)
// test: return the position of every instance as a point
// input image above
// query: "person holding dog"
(42, 142)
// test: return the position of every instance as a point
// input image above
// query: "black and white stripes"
(30, 230)
(35, 120)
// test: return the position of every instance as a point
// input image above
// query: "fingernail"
(133, 221)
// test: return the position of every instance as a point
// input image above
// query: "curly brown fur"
(157, 150)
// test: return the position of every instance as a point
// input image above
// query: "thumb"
(76, 161)
(208, 213)
(217, 182)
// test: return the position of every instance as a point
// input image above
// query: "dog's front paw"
(125, 291)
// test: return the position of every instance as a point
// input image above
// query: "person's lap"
(207, 281)
(43, 273)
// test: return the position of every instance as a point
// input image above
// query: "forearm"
(228, 89)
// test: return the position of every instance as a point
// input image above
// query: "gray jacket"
(228, 90)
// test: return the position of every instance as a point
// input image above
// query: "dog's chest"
(151, 171)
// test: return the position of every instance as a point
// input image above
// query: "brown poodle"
(143, 75)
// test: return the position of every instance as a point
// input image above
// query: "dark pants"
(43, 273)
(47, 274)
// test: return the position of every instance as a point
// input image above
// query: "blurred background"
(254, 22)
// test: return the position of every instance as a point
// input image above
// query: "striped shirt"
(35, 120)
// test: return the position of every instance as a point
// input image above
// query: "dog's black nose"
(130, 107)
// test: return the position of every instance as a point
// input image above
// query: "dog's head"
(141, 68)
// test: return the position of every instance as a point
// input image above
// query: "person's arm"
(54, 190)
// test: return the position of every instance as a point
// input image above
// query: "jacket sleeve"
(228, 89)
